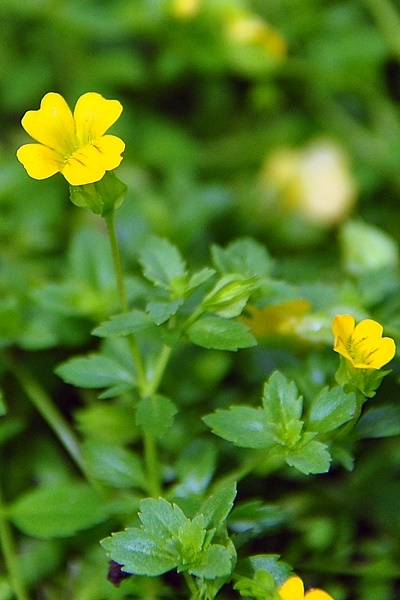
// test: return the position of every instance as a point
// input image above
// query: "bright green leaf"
(217, 507)
(220, 334)
(245, 426)
(281, 400)
(95, 371)
(330, 409)
(310, 458)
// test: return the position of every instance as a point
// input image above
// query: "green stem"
(152, 464)
(158, 373)
(53, 417)
(10, 556)
(109, 219)
(45, 406)
(191, 585)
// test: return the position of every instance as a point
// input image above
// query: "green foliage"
(167, 539)
(278, 426)
(260, 183)
(61, 510)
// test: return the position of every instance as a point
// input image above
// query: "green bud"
(230, 295)
(101, 197)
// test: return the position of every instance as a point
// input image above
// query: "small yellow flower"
(252, 30)
(72, 144)
(293, 589)
(362, 344)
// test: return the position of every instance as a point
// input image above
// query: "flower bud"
(230, 295)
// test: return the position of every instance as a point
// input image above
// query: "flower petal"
(315, 594)
(109, 149)
(93, 115)
(367, 329)
(83, 167)
(51, 125)
(380, 355)
(39, 161)
(343, 327)
(292, 589)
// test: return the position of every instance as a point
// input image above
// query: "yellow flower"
(252, 30)
(362, 344)
(293, 589)
(279, 319)
(72, 144)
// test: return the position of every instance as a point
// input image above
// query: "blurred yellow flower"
(275, 319)
(362, 344)
(72, 144)
(314, 182)
(185, 9)
(250, 29)
(293, 589)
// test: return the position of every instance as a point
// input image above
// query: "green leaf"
(281, 400)
(140, 553)
(256, 518)
(330, 409)
(217, 507)
(160, 518)
(124, 324)
(200, 277)
(108, 423)
(161, 310)
(244, 256)
(162, 263)
(156, 414)
(195, 468)
(245, 426)
(3, 405)
(379, 422)
(220, 334)
(59, 510)
(269, 563)
(95, 371)
(216, 562)
(312, 457)
(114, 465)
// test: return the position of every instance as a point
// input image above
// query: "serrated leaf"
(245, 426)
(379, 422)
(270, 563)
(220, 334)
(114, 465)
(94, 371)
(124, 324)
(330, 409)
(162, 262)
(217, 507)
(244, 256)
(59, 510)
(310, 458)
(216, 562)
(281, 400)
(156, 414)
(139, 553)
(161, 518)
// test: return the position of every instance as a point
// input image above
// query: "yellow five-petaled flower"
(362, 344)
(293, 589)
(72, 144)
